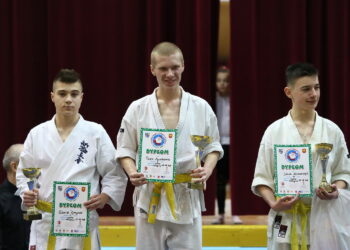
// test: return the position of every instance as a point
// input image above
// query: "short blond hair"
(165, 49)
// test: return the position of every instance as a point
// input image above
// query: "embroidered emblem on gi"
(71, 193)
(121, 130)
(83, 150)
(158, 140)
(292, 155)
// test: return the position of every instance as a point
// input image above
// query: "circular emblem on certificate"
(292, 155)
(158, 140)
(71, 193)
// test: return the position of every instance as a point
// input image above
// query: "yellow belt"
(301, 209)
(47, 207)
(169, 190)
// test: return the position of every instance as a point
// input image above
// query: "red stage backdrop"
(266, 37)
(109, 43)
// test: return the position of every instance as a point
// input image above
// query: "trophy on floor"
(32, 173)
(200, 141)
(323, 150)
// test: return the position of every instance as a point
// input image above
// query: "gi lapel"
(60, 165)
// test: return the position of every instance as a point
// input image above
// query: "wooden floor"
(207, 220)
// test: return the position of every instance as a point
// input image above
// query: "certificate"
(293, 170)
(157, 154)
(69, 215)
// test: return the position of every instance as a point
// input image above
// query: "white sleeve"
(127, 142)
(114, 179)
(264, 171)
(341, 167)
(213, 131)
(26, 160)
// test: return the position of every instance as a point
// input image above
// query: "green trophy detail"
(200, 141)
(323, 150)
(32, 173)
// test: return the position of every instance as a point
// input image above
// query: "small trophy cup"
(32, 173)
(200, 141)
(323, 150)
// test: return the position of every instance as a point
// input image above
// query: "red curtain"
(109, 43)
(266, 36)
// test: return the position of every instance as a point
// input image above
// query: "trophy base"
(326, 187)
(199, 186)
(31, 217)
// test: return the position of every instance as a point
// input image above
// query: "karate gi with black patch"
(85, 156)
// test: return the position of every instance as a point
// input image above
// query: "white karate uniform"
(284, 131)
(69, 162)
(196, 118)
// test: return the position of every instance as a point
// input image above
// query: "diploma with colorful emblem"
(293, 170)
(69, 215)
(157, 154)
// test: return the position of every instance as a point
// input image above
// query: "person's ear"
(13, 166)
(288, 92)
(52, 95)
(152, 69)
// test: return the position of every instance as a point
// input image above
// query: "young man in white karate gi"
(70, 149)
(302, 125)
(169, 107)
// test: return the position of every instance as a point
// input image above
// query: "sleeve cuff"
(212, 148)
(342, 177)
(261, 181)
(121, 153)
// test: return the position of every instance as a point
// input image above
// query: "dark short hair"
(298, 70)
(67, 76)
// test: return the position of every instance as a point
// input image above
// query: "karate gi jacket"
(196, 118)
(284, 131)
(85, 156)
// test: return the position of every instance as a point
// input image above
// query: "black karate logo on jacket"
(83, 150)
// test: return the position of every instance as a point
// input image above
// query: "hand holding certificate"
(69, 215)
(157, 154)
(293, 170)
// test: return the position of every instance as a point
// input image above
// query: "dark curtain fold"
(266, 36)
(109, 43)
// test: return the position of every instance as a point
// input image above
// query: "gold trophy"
(32, 173)
(200, 141)
(323, 150)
